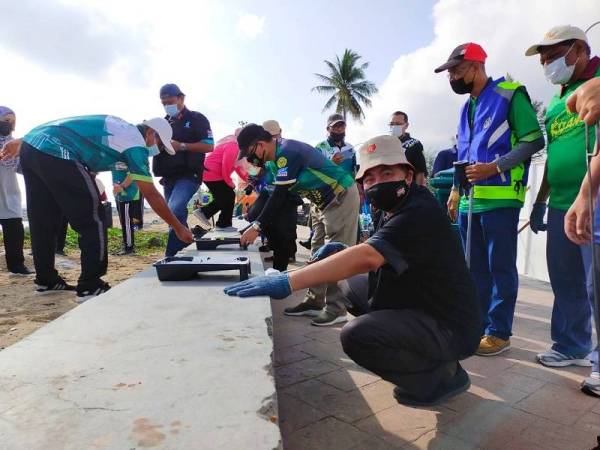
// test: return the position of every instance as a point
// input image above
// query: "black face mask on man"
(337, 137)
(460, 86)
(386, 196)
(5, 128)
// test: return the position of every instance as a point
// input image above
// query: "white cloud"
(250, 25)
(505, 28)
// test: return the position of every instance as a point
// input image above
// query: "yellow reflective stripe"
(504, 192)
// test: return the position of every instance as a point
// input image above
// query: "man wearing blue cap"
(182, 173)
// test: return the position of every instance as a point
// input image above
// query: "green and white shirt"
(100, 142)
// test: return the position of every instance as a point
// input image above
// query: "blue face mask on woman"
(171, 110)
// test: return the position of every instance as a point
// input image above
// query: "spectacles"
(252, 158)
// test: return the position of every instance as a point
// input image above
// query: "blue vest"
(490, 138)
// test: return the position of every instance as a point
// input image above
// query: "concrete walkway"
(328, 402)
(147, 365)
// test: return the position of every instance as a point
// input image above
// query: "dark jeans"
(178, 193)
(56, 187)
(127, 211)
(494, 266)
(223, 201)
(407, 347)
(13, 235)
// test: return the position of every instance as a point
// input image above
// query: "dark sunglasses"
(252, 158)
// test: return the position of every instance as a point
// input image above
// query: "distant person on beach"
(412, 147)
(182, 173)
(219, 165)
(56, 159)
(11, 210)
(127, 197)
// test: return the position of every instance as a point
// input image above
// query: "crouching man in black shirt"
(418, 314)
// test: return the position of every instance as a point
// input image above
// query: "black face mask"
(460, 86)
(337, 137)
(386, 196)
(5, 128)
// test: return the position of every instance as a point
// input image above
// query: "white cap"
(383, 150)
(272, 126)
(557, 35)
(164, 131)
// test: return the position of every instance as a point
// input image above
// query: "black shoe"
(264, 249)
(268, 259)
(454, 386)
(305, 244)
(85, 295)
(59, 286)
(302, 309)
(20, 271)
(126, 252)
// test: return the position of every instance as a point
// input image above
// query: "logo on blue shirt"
(187, 124)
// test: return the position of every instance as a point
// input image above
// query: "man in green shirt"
(57, 158)
(497, 135)
(565, 57)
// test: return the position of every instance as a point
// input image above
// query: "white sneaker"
(204, 222)
(591, 385)
(552, 358)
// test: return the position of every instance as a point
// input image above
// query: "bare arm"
(355, 260)
(158, 204)
(544, 191)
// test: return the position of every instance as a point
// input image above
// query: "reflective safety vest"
(490, 138)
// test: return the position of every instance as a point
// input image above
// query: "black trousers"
(61, 234)
(223, 201)
(56, 187)
(406, 347)
(127, 215)
(14, 236)
(281, 234)
(138, 212)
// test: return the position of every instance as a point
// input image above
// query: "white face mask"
(397, 130)
(153, 150)
(557, 72)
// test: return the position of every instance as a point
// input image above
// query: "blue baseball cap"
(170, 90)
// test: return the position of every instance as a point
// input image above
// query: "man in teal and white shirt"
(57, 158)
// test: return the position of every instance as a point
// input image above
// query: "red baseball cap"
(465, 52)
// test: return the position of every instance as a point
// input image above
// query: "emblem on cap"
(371, 148)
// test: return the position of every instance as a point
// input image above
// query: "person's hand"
(117, 189)
(11, 150)
(536, 218)
(184, 234)
(327, 250)
(337, 158)
(577, 221)
(586, 101)
(452, 204)
(480, 171)
(249, 237)
(176, 145)
(276, 286)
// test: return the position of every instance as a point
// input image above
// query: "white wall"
(531, 256)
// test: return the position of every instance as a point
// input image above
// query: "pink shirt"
(221, 162)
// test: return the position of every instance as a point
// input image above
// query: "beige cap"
(381, 150)
(557, 35)
(272, 126)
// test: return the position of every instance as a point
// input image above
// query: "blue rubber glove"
(536, 219)
(276, 286)
(327, 250)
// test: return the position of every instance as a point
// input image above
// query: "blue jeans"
(178, 193)
(569, 267)
(494, 266)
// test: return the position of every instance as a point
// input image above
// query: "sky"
(255, 60)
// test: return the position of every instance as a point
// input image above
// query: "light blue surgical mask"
(153, 150)
(253, 170)
(557, 72)
(171, 110)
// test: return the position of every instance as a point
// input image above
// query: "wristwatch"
(183, 146)
(255, 225)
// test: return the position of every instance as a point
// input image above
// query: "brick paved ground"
(327, 402)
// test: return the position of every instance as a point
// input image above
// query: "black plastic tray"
(181, 268)
(212, 243)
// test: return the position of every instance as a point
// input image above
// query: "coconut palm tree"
(347, 85)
